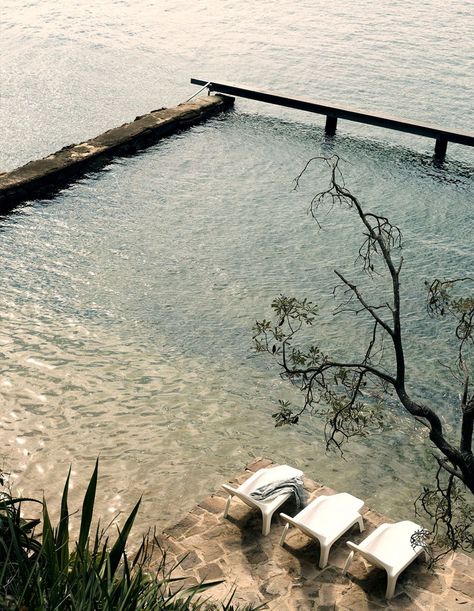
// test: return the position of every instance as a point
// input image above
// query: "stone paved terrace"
(288, 578)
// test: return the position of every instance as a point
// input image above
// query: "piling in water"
(46, 176)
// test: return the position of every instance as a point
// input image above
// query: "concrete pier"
(46, 176)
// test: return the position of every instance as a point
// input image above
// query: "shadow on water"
(47, 187)
(421, 164)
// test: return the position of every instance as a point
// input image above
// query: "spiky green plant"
(49, 572)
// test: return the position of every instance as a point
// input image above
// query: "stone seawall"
(46, 176)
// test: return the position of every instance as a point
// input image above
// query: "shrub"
(48, 572)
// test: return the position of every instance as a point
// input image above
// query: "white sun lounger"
(388, 547)
(261, 478)
(326, 519)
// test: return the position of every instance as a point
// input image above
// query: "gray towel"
(293, 485)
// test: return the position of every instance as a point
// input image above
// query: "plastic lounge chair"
(261, 478)
(326, 519)
(388, 547)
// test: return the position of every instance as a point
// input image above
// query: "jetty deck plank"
(440, 134)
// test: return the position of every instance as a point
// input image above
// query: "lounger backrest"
(390, 544)
(367, 555)
(247, 499)
(267, 476)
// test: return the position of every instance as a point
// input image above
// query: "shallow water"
(128, 300)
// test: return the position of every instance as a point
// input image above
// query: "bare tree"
(354, 395)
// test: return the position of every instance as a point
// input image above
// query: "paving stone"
(248, 595)
(189, 560)
(281, 605)
(309, 570)
(235, 545)
(353, 599)
(459, 562)
(374, 584)
(193, 542)
(221, 493)
(339, 554)
(291, 565)
(311, 486)
(298, 541)
(239, 512)
(217, 531)
(372, 519)
(330, 593)
(212, 551)
(179, 586)
(213, 504)
(199, 529)
(210, 572)
(331, 574)
(277, 586)
(198, 511)
(422, 598)
(170, 546)
(304, 605)
(358, 568)
(241, 478)
(324, 490)
(464, 583)
(452, 599)
(422, 579)
(404, 601)
(180, 529)
(258, 463)
(267, 570)
(256, 556)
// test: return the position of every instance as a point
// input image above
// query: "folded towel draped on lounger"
(293, 485)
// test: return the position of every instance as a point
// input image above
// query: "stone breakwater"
(46, 176)
(289, 579)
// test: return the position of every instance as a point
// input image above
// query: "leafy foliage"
(451, 514)
(48, 572)
(354, 394)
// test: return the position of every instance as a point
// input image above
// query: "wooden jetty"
(333, 113)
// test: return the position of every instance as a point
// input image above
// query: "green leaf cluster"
(49, 572)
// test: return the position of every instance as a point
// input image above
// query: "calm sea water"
(127, 301)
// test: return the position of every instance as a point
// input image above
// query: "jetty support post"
(331, 125)
(441, 146)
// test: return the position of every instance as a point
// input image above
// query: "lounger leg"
(267, 520)
(324, 555)
(350, 557)
(284, 533)
(227, 505)
(391, 583)
(361, 524)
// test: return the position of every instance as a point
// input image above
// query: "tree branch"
(349, 390)
(364, 304)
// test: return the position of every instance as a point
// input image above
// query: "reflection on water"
(128, 300)
(128, 303)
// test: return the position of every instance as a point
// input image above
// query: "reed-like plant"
(47, 572)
